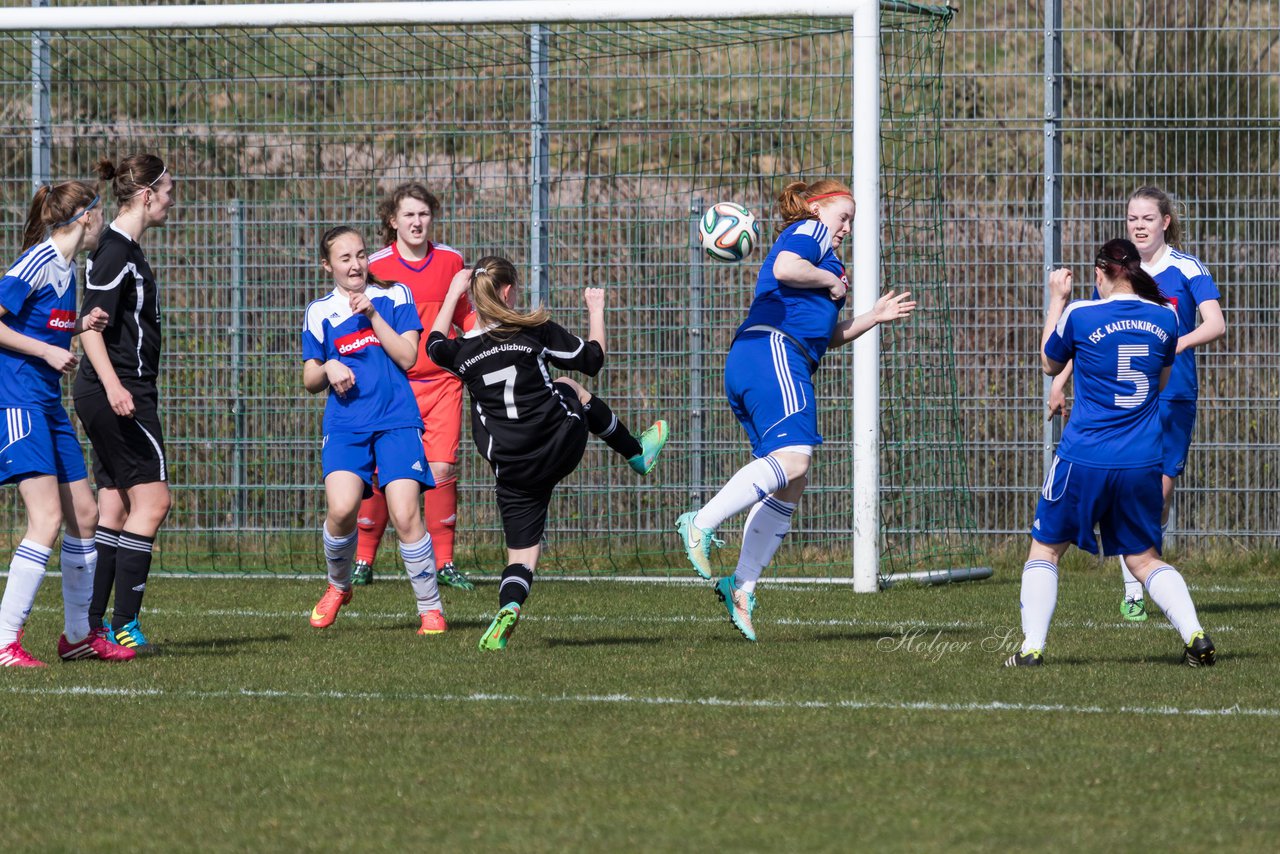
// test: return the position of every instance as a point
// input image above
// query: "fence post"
(1052, 227)
(41, 117)
(697, 344)
(539, 167)
(235, 215)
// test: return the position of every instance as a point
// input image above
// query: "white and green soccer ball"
(728, 231)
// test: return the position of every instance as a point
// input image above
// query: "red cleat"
(326, 610)
(433, 623)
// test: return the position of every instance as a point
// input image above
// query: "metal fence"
(1038, 155)
(1054, 115)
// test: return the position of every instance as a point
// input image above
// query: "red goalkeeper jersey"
(428, 281)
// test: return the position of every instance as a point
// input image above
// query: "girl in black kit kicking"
(531, 429)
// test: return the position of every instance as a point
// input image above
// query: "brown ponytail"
(793, 201)
(489, 275)
(53, 207)
(1119, 261)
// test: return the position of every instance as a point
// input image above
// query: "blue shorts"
(39, 442)
(771, 392)
(1125, 504)
(392, 454)
(1177, 423)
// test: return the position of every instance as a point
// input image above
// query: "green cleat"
(1134, 610)
(1030, 658)
(740, 604)
(499, 631)
(362, 573)
(652, 441)
(451, 576)
(698, 543)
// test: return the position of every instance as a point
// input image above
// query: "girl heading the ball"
(532, 430)
(794, 318)
(357, 342)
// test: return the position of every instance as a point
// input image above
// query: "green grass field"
(633, 717)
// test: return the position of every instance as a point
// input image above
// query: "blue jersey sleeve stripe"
(29, 265)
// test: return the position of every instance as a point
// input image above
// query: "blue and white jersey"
(1120, 345)
(381, 398)
(1187, 283)
(39, 294)
(809, 315)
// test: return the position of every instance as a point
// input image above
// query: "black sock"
(516, 581)
(602, 422)
(133, 564)
(104, 577)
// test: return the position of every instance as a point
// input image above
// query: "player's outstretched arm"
(890, 307)
(594, 300)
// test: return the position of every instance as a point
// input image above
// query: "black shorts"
(525, 485)
(126, 451)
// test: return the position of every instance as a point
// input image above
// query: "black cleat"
(1200, 652)
(1031, 658)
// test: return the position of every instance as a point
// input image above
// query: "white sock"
(767, 524)
(750, 484)
(1169, 591)
(1039, 598)
(1132, 586)
(26, 571)
(338, 553)
(78, 561)
(420, 564)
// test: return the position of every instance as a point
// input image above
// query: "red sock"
(440, 507)
(371, 523)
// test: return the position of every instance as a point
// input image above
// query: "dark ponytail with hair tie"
(1119, 260)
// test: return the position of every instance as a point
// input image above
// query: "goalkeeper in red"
(409, 257)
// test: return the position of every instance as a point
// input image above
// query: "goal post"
(576, 136)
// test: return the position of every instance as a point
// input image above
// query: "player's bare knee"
(584, 396)
(794, 465)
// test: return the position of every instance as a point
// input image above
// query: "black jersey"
(119, 280)
(515, 406)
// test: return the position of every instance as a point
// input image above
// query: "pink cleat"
(96, 646)
(14, 655)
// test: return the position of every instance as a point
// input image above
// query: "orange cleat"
(433, 623)
(326, 610)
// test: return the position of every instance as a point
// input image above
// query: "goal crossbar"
(388, 14)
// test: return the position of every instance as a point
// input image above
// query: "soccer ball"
(729, 231)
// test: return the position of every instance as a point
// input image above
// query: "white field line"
(632, 699)
(680, 580)
(670, 619)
